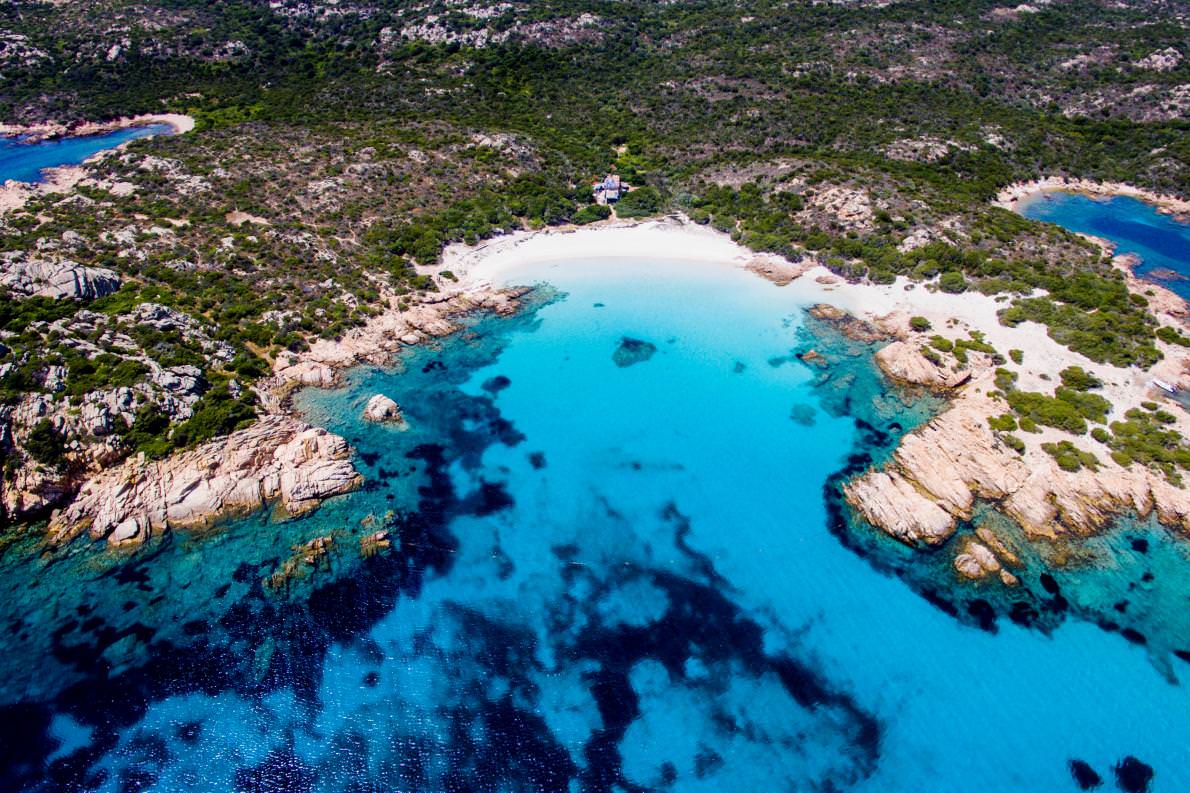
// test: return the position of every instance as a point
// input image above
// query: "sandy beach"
(501, 261)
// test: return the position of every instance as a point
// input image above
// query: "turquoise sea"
(1162, 243)
(618, 563)
(24, 161)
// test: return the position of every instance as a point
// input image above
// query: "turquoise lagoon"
(1161, 243)
(609, 573)
(24, 161)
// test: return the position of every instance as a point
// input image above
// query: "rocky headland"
(276, 461)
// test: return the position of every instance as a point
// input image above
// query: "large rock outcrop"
(278, 460)
(904, 362)
(58, 279)
(383, 410)
(939, 470)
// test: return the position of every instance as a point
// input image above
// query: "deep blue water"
(609, 571)
(1162, 243)
(24, 162)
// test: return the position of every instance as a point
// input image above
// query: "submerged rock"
(276, 460)
(803, 414)
(633, 351)
(1133, 776)
(383, 410)
(1084, 776)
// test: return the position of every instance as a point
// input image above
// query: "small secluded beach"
(48, 158)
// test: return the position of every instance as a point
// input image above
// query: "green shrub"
(592, 213)
(1070, 457)
(45, 444)
(1171, 336)
(1079, 379)
(1002, 423)
(952, 283)
(920, 324)
(640, 202)
(1016, 355)
(1014, 443)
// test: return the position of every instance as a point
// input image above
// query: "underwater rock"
(383, 410)
(633, 351)
(1084, 776)
(803, 414)
(976, 561)
(1133, 776)
(849, 325)
(814, 358)
(276, 460)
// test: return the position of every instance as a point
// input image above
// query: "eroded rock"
(278, 460)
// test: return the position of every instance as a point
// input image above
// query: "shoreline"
(944, 468)
(1012, 196)
(63, 178)
(939, 471)
(50, 130)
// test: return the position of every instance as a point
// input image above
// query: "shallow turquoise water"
(1162, 243)
(606, 577)
(24, 162)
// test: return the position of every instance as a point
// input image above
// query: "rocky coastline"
(276, 461)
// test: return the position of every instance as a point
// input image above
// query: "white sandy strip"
(504, 260)
(14, 194)
(1012, 196)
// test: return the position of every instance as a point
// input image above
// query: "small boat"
(1168, 388)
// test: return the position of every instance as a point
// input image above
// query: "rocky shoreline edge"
(278, 461)
(1011, 197)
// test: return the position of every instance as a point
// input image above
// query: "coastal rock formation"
(779, 270)
(939, 471)
(58, 279)
(848, 324)
(897, 506)
(278, 460)
(383, 410)
(433, 316)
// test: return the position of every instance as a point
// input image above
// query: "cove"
(1161, 243)
(603, 577)
(23, 161)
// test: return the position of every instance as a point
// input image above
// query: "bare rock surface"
(904, 362)
(940, 469)
(58, 279)
(433, 316)
(278, 460)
